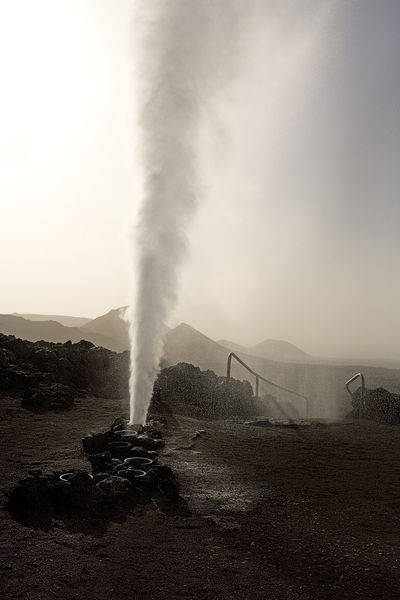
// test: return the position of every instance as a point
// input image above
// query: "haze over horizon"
(297, 234)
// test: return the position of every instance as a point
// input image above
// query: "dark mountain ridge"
(278, 350)
(65, 320)
(53, 331)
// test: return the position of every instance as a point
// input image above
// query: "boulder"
(52, 396)
(166, 481)
(185, 389)
(79, 491)
(96, 443)
(113, 488)
(149, 443)
(32, 494)
(101, 463)
(139, 451)
(378, 405)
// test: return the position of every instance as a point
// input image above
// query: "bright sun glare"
(44, 76)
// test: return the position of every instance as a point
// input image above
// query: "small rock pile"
(124, 463)
(379, 405)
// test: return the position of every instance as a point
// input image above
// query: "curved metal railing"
(347, 384)
(258, 377)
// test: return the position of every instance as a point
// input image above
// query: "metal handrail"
(258, 377)
(347, 384)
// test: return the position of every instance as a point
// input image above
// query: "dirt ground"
(267, 513)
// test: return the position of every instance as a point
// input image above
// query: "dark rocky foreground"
(266, 512)
(124, 465)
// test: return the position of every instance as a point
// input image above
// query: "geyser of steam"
(185, 52)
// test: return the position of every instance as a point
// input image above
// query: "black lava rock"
(113, 488)
(149, 443)
(185, 389)
(32, 494)
(52, 396)
(96, 442)
(101, 463)
(378, 405)
(79, 491)
(100, 477)
(83, 367)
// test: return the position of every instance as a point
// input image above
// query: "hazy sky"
(297, 232)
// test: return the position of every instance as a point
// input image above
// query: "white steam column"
(185, 56)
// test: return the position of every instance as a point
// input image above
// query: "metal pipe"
(258, 377)
(362, 399)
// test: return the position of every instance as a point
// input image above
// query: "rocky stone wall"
(185, 389)
(39, 369)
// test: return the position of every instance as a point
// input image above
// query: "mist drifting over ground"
(186, 54)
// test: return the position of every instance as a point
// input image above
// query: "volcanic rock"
(118, 423)
(131, 474)
(166, 480)
(80, 491)
(131, 437)
(379, 405)
(138, 462)
(96, 443)
(85, 368)
(170, 488)
(52, 396)
(162, 472)
(139, 451)
(32, 494)
(149, 443)
(100, 477)
(185, 389)
(113, 488)
(101, 463)
(152, 432)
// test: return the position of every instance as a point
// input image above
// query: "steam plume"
(185, 50)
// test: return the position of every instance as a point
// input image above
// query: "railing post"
(362, 399)
(257, 381)
(361, 409)
(228, 367)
